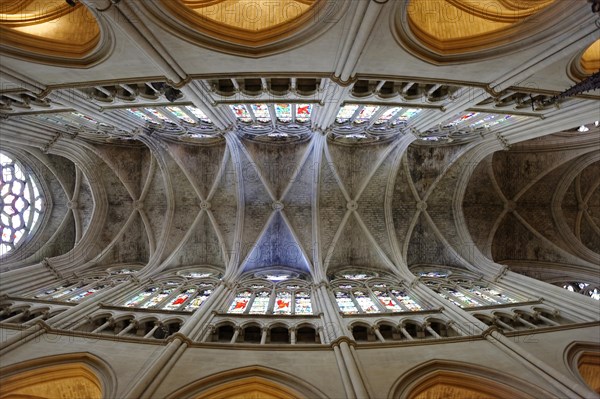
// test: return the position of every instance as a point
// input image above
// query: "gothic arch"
(465, 380)
(245, 28)
(453, 31)
(71, 375)
(583, 360)
(55, 34)
(586, 62)
(241, 383)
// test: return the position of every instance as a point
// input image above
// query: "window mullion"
(375, 300)
(250, 302)
(353, 298)
(271, 301)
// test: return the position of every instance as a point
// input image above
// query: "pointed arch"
(583, 360)
(73, 375)
(250, 382)
(54, 33)
(242, 27)
(444, 378)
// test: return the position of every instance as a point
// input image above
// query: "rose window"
(22, 204)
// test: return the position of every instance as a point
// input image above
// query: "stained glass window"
(434, 274)
(283, 303)
(411, 112)
(303, 304)
(407, 301)
(345, 303)
(462, 298)
(277, 277)
(469, 290)
(492, 295)
(450, 298)
(139, 114)
(86, 293)
(346, 112)
(136, 300)
(240, 302)
(155, 300)
(198, 300)
(122, 271)
(158, 114)
(50, 291)
(180, 299)
(365, 114)
(178, 112)
(462, 119)
(283, 112)
(583, 288)
(260, 304)
(387, 115)
(241, 113)
(73, 288)
(199, 114)
(356, 276)
(386, 300)
(303, 112)
(197, 275)
(481, 295)
(261, 112)
(22, 204)
(483, 121)
(365, 302)
(85, 117)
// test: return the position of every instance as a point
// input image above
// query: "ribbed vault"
(535, 208)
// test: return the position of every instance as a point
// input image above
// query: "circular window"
(21, 202)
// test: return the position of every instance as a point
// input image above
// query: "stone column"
(321, 334)
(130, 327)
(344, 373)
(156, 326)
(18, 316)
(432, 331)
(546, 320)
(263, 337)
(378, 334)
(353, 372)
(525, 322)
(34, 320)
(155, 373)
(405, 333)
(208, 333)
(103, 326)
(236, 334)
(503, 324)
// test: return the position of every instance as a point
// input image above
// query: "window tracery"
(77, 289)
(468, 126)
(171, 115)
(272, 296)
(52, 32)
(263, 113)
(22, 204)
(591, 290)
(368, 123)
(473, 26)
(367, 292)
(186, 291)
(465, 290)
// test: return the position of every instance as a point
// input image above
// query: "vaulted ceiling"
(152, 149)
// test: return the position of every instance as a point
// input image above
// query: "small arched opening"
(307, 335)
(279, 335)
